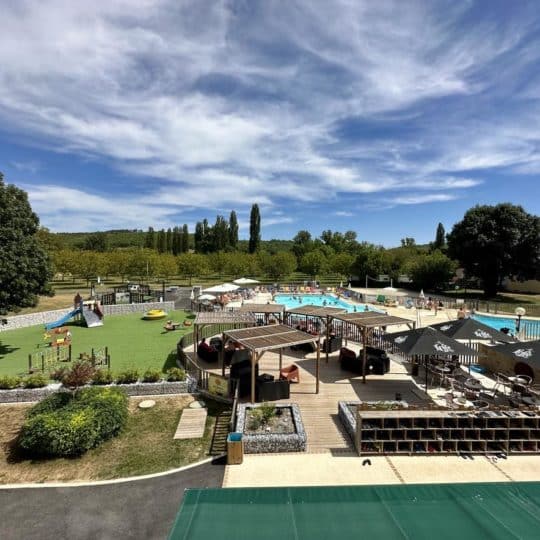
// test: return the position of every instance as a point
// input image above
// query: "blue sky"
(381, 117)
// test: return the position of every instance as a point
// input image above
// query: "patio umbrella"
(428, 341)
(206, 297)
(223, 288)
(524, 351)
(421, 295)
(245, 281)
(471, 329)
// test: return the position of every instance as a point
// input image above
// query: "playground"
(131, 342)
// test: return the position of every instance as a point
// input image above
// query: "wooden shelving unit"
(440, 432)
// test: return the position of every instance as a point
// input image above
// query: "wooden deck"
(320, 411)
(191, 424)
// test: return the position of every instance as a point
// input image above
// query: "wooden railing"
(232, 423)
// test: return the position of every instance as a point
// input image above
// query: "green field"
(132, 342)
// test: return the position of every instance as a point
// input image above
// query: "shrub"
(58, 374)
(8, 383)
(152, 375)
(176, 374)
(37, 380)
(129, 376)
(67, 425)
(81, 373)
(102, 376)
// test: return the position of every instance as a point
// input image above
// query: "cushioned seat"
(335, 344)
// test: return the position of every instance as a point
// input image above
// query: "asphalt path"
(141, 509)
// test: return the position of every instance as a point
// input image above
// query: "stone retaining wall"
(19, 395)
(265, 444)
(45, 317)
(347, 418)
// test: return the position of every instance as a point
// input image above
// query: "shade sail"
(206, 297)
(428, 341)
(471, 329)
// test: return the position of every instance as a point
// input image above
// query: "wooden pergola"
(260, 339)
(212, 318)
(321, 312)
(367, 321)
(265, 309)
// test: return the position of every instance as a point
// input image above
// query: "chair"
(334, 344)
(290, 373)
(449, 399)
(267, 390)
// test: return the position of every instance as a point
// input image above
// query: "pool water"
(296, 300)
(500, 322)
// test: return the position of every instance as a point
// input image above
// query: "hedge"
(68, 425)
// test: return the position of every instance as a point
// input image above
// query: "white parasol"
(245, 281)
(206, 297)
(223, 288)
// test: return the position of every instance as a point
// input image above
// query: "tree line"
(490, 243)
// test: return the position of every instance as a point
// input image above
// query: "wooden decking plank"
(192, 424)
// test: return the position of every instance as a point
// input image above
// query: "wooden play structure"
(99, 357)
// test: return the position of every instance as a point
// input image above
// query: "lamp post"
(519, 311)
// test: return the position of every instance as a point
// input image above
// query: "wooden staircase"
(221, 430)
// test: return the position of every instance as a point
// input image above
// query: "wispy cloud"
(228, 103)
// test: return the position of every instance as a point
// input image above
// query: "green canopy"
(420, 511)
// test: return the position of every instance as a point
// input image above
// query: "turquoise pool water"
(296, 300)
(500, 322)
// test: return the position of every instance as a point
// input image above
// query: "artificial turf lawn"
(132, 343)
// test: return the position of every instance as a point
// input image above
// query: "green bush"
(176, 374)
(129, 376)
(58, 374)
(37, 380)
(8, 383)
(151, 375)
(67, 425)
(102, 376)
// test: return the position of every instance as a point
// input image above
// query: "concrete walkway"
(328, 470)
(132, 510)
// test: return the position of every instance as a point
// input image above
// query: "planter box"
(347, 418)
(19, 395)
(272, 443)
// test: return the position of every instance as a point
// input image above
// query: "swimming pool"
(293, 301)
(501, 322)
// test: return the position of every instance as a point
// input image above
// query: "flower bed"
(286, 433)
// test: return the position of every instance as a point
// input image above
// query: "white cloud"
(224, 104)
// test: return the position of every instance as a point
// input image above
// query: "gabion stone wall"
(45, 317)
(272, 443)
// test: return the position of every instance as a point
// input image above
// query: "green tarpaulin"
(435, 512)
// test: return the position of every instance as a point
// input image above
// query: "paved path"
(142, 509)
(191, 424)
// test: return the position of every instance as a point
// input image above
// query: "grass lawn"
(145, 446)
(132, 342)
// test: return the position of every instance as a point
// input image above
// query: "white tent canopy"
(223, 288)
(206, 297)
(245, 281)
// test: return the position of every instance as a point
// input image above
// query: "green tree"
(495, 242)
(408, 242)
(167, 265)
(65, 262)
(176, 241)
(161, 241)
(440, 237)
(169, 240)
(199, 237)
(313, 263)
(302, 244)
(50, 241)
(96, 242)
(150, 239)
(432, 271)
(341, 264)
(233, 230)
(191, 265)
(277, 266)
(370, 261)
(220, 235)
(25, 268)
(185, 239)
(254, 229)
(118, 263)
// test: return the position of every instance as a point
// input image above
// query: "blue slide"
(62, 320)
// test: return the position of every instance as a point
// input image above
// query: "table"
(442, 372)
(472, 388)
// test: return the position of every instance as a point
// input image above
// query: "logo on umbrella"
(441, 347)
(446, 327)
(400, 339)
(482, 334)
(524, 353)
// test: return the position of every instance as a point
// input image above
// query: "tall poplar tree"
(169, 240)
(185, 238)
(233, 230)
(254, 229)
(150, 239)
(440, 237)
